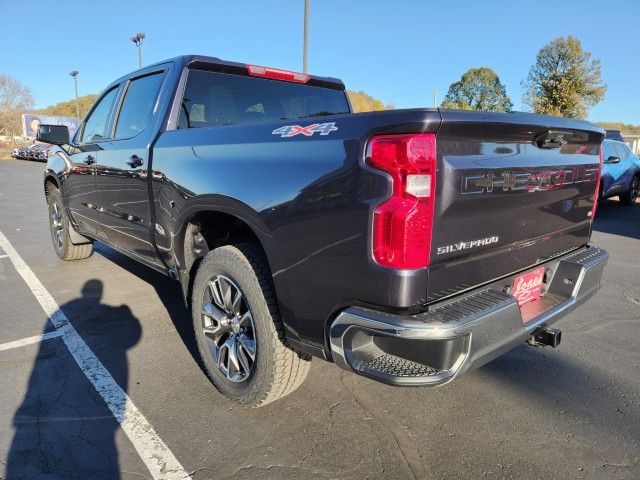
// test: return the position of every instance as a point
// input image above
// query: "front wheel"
(629, 197)
(238, 329)
(59, 226)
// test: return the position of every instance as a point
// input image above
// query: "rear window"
(212, 99)
(138, 105)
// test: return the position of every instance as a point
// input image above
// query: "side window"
(95, 128)
(137, 108)
(608, 151)
(621, 151)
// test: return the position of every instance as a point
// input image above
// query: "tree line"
(564, 80)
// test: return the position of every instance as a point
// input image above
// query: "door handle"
(89, 160)
(134, 161)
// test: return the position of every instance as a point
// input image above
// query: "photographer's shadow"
(63, 428)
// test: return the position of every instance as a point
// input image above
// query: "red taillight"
(402, 225)
(277, 74)
(596, 195)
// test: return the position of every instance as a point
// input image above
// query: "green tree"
(68, 108)
(478, 89)
(564, 81)
(362, 102)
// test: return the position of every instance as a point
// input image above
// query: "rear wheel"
(238, 329)
(629, 197)
(59, 226)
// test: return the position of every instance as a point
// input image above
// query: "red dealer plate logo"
(528, 286)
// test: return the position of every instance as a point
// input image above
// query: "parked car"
(614, 135)
(407, 246)
(33, 151)
(42, 153)
(15, 153)
(23, 153)
(620, 172)
(37, 151)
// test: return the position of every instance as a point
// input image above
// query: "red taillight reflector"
(596, 195)
(277, 74)
(403, 224)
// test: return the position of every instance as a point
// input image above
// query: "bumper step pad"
(397, 367)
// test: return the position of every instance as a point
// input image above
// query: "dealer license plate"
(528, 286)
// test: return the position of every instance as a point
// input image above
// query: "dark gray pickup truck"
(407, 246)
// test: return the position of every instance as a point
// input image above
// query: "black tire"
(629, 197)
(59, 227)
(276, 369)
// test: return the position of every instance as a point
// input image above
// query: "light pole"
(137, 39)
(74, 74)
(306, 36)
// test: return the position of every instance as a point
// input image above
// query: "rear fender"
(217, 204)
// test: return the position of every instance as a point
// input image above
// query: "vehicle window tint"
(621, 151)
(212, 99)
(138, 105)
(95, 128)
(608, 151)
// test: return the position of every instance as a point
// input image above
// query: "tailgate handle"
(552, 139)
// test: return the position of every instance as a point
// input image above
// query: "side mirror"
(54, 134)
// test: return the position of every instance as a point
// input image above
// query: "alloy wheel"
(228, 326)
(57, 228)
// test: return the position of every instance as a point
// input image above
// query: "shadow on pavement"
(63, 428)
(616, 219)
(169, 293)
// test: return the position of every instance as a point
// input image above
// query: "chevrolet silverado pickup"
(407, 246)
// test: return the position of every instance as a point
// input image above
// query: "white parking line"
(152, 450)
(29, 340)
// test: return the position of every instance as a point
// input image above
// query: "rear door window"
(609, 151)
(217, 99)
(621, 151)
(138, 104)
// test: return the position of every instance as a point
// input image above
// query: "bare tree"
(15, 99)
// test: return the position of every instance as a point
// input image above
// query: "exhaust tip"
(545, 337)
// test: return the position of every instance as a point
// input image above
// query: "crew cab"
(407, 246)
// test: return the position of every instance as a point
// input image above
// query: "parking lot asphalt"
(570, 412)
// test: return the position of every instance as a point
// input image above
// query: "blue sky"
(396, 50)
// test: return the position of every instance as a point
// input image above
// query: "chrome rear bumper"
(465, 332)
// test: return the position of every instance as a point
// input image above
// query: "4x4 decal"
(308, 131)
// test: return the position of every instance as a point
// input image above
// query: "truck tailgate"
(513, 190)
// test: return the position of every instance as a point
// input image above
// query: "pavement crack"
(332, 410)
(409, 452)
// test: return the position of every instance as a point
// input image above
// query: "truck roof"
(214, 63)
